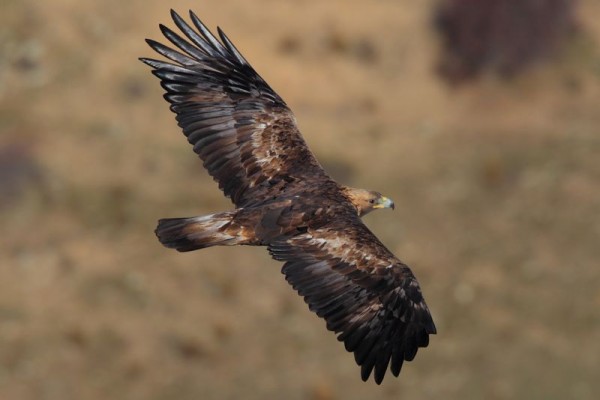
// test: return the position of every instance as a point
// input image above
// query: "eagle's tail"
(187, 234)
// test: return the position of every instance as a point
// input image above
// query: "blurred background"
(479, 118)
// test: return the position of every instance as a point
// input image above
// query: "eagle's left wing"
(240, 127)
(364, 293)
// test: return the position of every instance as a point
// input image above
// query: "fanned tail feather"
(187, 234)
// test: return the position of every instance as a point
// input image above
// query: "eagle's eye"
(372, 201)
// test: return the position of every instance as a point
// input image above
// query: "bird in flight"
(248, 141)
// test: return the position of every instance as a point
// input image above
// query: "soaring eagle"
(248, 140)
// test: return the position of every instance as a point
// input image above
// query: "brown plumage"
(248, 140)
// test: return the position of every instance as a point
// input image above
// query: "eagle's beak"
(384, 202)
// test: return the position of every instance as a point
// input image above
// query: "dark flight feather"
(378, 314)
(220, 99)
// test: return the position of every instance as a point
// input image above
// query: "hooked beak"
(384, 202)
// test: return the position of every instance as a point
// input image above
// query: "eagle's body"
(248, 140)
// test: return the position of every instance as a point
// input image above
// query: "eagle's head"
(366, 201)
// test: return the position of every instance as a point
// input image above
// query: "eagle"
(249, 143)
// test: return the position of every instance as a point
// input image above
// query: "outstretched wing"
(241, 129)
(362, 291)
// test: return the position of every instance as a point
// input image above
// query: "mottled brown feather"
(242, 130)
(364, 293)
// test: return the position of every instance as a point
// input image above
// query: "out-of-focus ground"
(497, 187)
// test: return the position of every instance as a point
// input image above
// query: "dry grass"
(496, 186)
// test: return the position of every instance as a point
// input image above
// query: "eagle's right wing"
(364, 293)
(242, 130)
